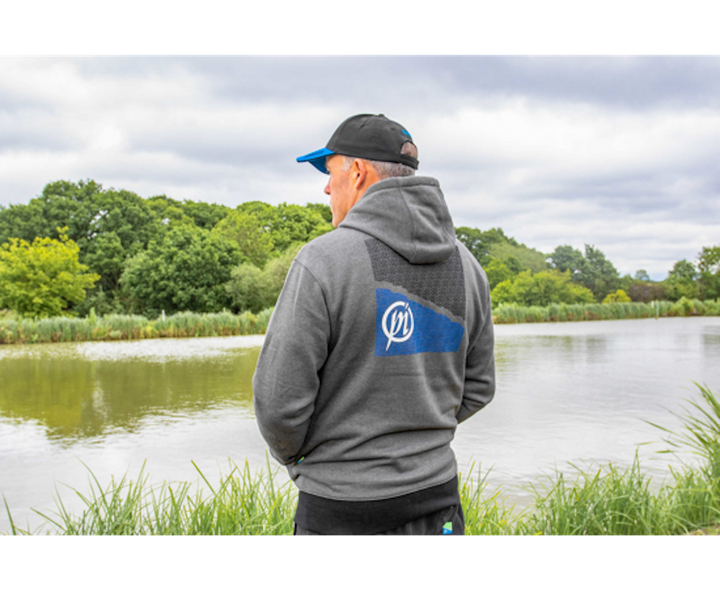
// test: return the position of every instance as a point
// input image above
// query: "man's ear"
(362, 176)
(359, 173)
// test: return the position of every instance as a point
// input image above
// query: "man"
(381, 342)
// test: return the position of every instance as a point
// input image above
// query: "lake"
(566, 393)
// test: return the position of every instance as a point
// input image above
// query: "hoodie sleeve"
(286, 380)
(479, 386)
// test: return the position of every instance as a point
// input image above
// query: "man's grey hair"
(388, 169)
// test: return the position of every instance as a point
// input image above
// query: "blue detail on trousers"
(426, 525)
(404, 327)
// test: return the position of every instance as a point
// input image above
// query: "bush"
(619, 296)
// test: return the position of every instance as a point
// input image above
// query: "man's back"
(384, 354)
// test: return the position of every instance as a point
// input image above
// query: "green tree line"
(123, 254)
(78, 247)
(522, 276)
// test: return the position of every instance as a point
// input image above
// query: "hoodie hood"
(407, 214)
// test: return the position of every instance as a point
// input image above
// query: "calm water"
(569, 392)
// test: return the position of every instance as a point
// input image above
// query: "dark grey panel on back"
(442, 283)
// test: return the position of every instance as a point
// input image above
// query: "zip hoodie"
(380, 343)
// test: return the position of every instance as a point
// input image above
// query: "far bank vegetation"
(91, 259)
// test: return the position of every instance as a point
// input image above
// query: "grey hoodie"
(381, 342)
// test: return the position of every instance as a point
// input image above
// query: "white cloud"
(526, 152)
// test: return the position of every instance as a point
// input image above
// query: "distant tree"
(514, 265)
(253, 289)
(682, 281)
(287, 223)
(276, 270)
(643, 292)
(42, 278)
(205, 215)
(528, 258)
(709, 269)
(593, 270)
(324, 210)
(61, 204)
(168, 212)
(479, 242)
(253, 239)
(684, 270)
(619, 296)
(566, 258)
(186, 271)
(541, 289)
(497, 272)
(261, 210)
(108, 226)
(598, 273)
(245, 289)
(290, 224)
(642, 275)
(112, 227)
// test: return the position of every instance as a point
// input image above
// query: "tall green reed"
(512, 313)
(485, 514)
(241, 503)
(130, 327)
(612, 500)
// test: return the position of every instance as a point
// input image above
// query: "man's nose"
(327, 188)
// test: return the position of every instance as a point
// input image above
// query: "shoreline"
(15, 331)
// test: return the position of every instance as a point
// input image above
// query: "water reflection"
(79, 392)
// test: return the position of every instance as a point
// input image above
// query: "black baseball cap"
(371, 137)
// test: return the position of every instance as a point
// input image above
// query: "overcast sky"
(620, 153)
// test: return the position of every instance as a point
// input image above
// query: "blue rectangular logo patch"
(404, 327)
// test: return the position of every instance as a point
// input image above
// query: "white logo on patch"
(402, 323)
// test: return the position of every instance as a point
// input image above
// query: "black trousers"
(449, 521)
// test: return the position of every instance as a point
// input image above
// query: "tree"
(598, 273)
(514, 265)
(42, 278)
(709, 269)
(292, 224)
(253, 289)
(479, 242)
(61, 204)
(566, 258)
(245, 289)
(497, 272)
(642, 292)
(541, 289)
(205, 215)
(684, 271)
(529, 259)
(112, 227)
(593, 270)
(108, 226)
(324, 210)
(619, 296)
(682, 281)
(186, 271)
(642, 275)
(288, 224)
(253, 240)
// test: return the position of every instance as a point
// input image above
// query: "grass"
(16, 330)
(241, 503)
(609, 500)
(597, 312)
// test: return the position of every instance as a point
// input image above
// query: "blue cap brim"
(317, 158)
